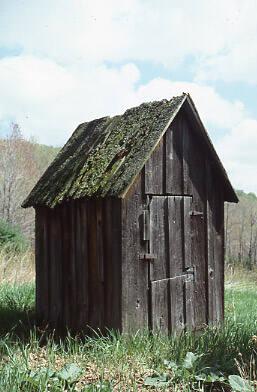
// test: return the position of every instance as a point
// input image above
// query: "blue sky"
(69, 61)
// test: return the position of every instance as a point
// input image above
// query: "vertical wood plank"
(58, 261)
(212, 316)
(83, 278)
(189, 291)
(174, 157)
(39, 264)
(134, 271)
(160, 300)
(187, 155)
(72, 266)
(45, 266)
(219, 252)
(112, 263)
(194, 184)
(154, 171)
(189, 304)
(158, 237)
(53, 262)
(187, 208)
(94, 297)
(176, 238)
(177, 304)
(66, 264)
(100, 261)
(215, 244)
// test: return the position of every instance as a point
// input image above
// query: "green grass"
(120, 362)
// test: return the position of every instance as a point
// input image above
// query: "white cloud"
(218, 36)
(61, 78)
(49, 100)
(214, 110)
(238, 150)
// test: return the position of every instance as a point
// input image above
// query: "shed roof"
(103, 156)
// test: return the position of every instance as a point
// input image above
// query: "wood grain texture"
(189, 284)
(160, 308)
(89, 264)
(174, 158)
(158, 237)
(177, 311)
(39, 265)
(112, 263)
(154, 171)
(134, 271)
(189, 304)
(45, 266)
(212, 315)
(194, 182)
(215, 238)
(175, 235)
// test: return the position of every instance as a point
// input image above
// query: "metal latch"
(147, 256)
(190, 271)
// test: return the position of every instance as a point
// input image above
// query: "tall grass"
(118, 362)
(16, 267)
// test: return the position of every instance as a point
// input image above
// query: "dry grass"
(16, 268)
(240, 277)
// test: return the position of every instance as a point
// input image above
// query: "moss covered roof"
(103, 156)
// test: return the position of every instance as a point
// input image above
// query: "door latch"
(190, 272)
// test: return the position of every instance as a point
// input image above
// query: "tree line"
(22, 162)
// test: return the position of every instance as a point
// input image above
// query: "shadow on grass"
(17, 315)
(16, 322)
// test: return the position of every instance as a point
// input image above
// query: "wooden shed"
(130, 224)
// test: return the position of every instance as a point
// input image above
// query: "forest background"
(23, 161)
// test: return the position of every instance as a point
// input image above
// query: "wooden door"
(171, 273)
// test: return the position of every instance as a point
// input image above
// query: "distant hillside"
(22, 162)
(46, 155)
(241, 230)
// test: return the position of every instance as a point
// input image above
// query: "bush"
(12, 238)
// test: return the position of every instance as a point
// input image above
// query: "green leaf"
(70, 373)
(41, 373)
(238, 384)
(157, 380)
(170, 364)
(190, 360)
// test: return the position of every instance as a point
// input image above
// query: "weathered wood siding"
(178, 166)
(134, 271)
(78, 274)
(215, 246)
(91, 268)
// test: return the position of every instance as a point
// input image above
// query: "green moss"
(103, 156)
